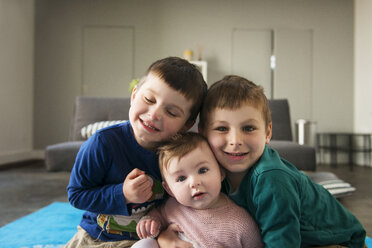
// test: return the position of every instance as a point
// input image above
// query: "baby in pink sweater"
(207, 217)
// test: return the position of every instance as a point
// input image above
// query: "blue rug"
(49, 227)
(369, 242)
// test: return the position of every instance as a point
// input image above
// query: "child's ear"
(202, 130)
(133, 94)
(269, 133)
(223, 173)
(165, 186)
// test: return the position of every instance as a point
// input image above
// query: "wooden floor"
(28, 187)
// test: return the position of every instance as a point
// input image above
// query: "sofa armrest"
(61, 157)
(301, 156)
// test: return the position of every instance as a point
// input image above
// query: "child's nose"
(154, 113)
(235, 138)
(195, 182)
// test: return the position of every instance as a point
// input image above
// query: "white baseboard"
(13, 157)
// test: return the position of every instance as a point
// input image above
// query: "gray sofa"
(302, 156)
(88, 110)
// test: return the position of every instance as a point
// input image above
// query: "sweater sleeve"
(277, 203)
(87, 188)
(158, 214)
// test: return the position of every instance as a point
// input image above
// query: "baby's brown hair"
(179, 146)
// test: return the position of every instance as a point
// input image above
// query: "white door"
(251, 53)
(294, 70)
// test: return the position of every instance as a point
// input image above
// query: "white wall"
(16, 79)
(36, 98)
(363, 66)
(168, 27)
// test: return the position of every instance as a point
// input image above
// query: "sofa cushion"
(90, 129)
(89, 109)
(335, 186)
(301, 156)
(61, 156)
(280, 115)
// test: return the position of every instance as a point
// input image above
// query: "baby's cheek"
(216, 143)
(181, 197)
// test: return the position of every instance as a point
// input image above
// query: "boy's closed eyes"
(171, 110)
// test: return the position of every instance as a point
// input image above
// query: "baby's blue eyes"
(183, 178)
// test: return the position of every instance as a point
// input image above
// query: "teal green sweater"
(291, 210)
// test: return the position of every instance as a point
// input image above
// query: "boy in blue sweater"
(289, 208)
(116, 176)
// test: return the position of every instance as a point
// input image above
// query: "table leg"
(333, 148)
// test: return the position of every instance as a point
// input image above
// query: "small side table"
(332, 142)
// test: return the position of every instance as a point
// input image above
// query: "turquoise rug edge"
(369, 242)
(58, 220)
(25, 231)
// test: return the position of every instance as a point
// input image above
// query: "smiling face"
(157, 112)
(237, 137)
(195, 179)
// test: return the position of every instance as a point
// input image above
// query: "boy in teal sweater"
(289, 208)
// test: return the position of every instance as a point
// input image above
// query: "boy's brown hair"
(232, 92)
(182, 76)
(178, 147)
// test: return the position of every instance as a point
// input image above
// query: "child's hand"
(137, 187)
(169, 238)
(147, 228)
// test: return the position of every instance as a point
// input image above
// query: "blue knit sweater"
(96, 183)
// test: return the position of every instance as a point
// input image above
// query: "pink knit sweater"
(227, 226)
